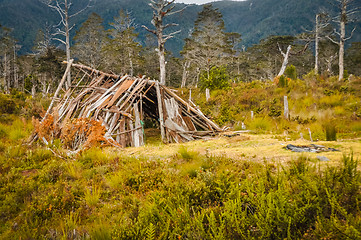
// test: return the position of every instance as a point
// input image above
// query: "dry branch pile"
(121, 103)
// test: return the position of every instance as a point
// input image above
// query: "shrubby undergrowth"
(313, 102)
(103, 194)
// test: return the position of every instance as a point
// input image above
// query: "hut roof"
(122, 102)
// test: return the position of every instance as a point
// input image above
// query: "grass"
(200, 189)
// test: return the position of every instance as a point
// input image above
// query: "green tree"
(89, 41)
(216, 78)
(353, 58)
(208, 45)
(122, 51)
(265, 58)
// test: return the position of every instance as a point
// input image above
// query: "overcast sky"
(199, 1)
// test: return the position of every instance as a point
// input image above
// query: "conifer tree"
(208, 45)
(89, 41)
(122, 51)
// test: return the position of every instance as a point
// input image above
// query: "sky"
(199, 1)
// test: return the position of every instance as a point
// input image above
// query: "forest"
(266, 90)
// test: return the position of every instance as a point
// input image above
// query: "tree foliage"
(216, 78)
(122, 51)
(89, 41)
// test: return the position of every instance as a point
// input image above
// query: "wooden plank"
(197, 112)
(122, 141)
(80, 66)
(122, 88)
(189, 123)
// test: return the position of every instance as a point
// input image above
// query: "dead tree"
(320, 25)
(63, 28)
(162, 9)
(285, 59)
(342, 19)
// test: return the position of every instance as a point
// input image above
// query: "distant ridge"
(254, 19)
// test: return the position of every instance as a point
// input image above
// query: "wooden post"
(309, 132)
(252, 115)
(160, 110)
(286, 111)
(59, 87)
(208, 96)
(138, 133)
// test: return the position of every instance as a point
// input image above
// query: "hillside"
(254, 19)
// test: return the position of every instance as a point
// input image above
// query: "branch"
(169, 36)
(339, 34)
(149, 30)
(178, 11)
(71, 27)
(332, 40)
(170, 25)
(279, 47)
(82, 10)
(303, 50)
(62, 41)
(350, 34)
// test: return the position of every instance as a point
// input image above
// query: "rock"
(323, 158)
(311, 148)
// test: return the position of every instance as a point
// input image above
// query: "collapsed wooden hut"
(121, 103)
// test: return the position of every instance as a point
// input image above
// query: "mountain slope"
(254, 19)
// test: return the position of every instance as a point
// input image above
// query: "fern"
(150, 232)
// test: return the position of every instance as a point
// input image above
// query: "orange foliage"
(77, 133)
(47, 129)
(83, 132)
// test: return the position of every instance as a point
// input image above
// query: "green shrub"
(291, 72)
(7, 104)
(330, 131)
(186, 154)
(258, 123)
(216, 79)
(282, 82)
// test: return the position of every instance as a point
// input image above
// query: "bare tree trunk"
(6, 75)
(162, 69)
(316, 43)
(67, 43)
(285, 60)
(131, 68)
(16, 80)
(186, 65)
(162, 8)
(329, 64)
(208, 95)
(342, 40)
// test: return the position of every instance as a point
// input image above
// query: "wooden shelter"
(121, 103)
